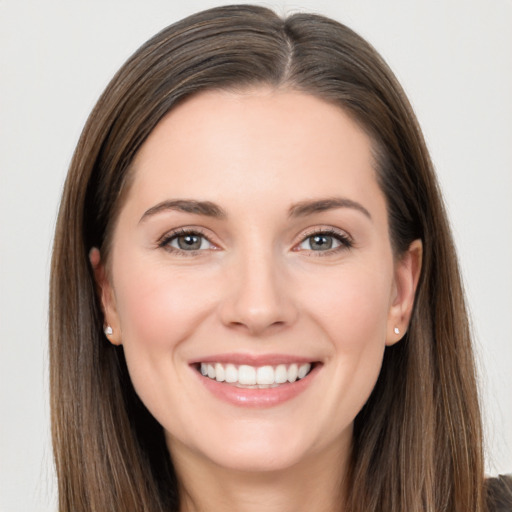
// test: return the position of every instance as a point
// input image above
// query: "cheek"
(352, 311)
(159, 306)
(159, 310)
(347, 309)
(353, 308)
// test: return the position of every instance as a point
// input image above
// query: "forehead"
(240, 146)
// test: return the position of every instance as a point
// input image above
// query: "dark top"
(499, 493)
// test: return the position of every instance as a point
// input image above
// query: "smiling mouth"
(253, 377)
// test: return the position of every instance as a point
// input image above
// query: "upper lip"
(256, 360)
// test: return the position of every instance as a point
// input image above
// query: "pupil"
(321, 242)
(189, 242)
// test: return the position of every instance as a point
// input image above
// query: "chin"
(248, 447)
(258, 459)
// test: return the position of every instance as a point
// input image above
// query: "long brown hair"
(417, 441)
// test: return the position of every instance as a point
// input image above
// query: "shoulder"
(499, 493)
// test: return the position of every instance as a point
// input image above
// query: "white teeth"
(304, 370)
(281, 374)
(231, 373)
(263, 376)
(220, 375)
(246, 375)
(293, 371)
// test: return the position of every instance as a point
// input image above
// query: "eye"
(325, 241)
(186, 241)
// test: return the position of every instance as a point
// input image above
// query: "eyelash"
(165, 241)
(344, 240)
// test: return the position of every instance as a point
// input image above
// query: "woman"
(255, 300)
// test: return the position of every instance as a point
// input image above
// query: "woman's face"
(253, 246)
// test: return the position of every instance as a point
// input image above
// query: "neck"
(312, 484)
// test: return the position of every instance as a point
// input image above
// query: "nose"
(259, 298)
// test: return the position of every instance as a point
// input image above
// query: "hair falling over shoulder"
(417, 442)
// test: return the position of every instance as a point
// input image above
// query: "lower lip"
(250, 397)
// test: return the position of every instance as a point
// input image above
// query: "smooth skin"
(256, 281)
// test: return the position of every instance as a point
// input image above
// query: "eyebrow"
(321, 205)
(206, 208)
(209, 209)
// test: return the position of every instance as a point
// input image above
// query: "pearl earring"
(397, 330)
(108, 330)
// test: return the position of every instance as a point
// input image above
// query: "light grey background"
(454, 59)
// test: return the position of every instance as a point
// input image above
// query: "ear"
(106, 293)
(407, 274)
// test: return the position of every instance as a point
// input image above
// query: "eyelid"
(164, 241)
(344, 238)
